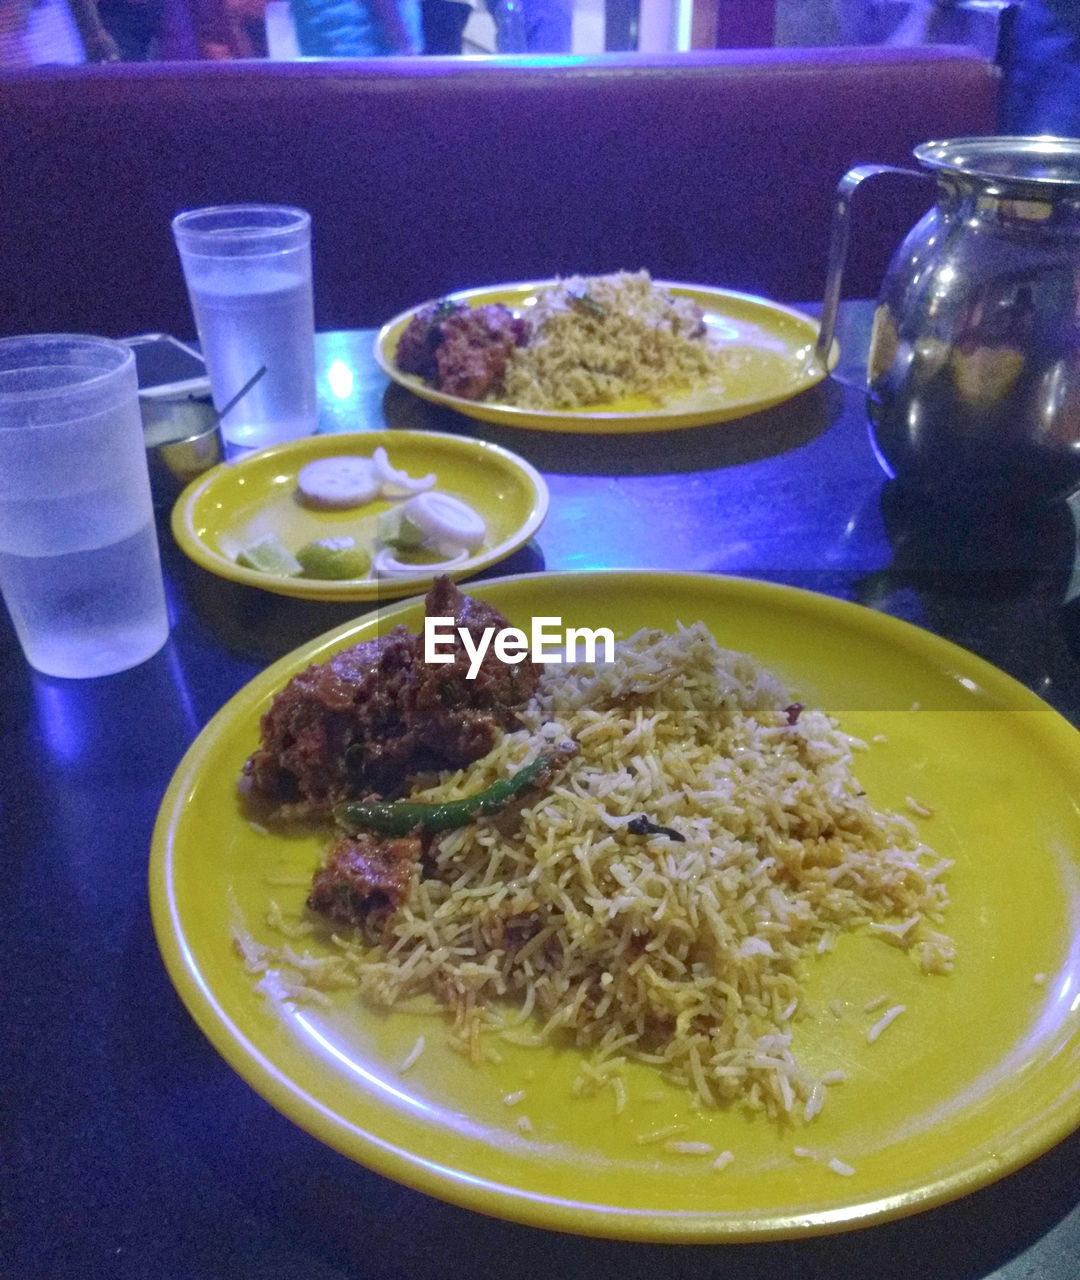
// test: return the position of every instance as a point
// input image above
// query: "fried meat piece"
(364, 874)
(363, 721)
(459, 349)
(422, 337)
(330, 730)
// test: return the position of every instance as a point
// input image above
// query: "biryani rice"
(630, 338)
(689, 956)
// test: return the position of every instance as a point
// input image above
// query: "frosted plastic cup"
(248, 274)
(79, 566)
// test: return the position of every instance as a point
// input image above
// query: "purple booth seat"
(428, 175)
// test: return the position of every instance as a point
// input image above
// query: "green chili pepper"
(586, 302)
(400, 817)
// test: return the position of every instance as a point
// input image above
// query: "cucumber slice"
(340, 482)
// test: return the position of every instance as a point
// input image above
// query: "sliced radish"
(340, 482)
(395, 482)
(446, 520)
(387, 565)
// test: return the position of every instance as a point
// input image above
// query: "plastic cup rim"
(85, 340)
(298, 220)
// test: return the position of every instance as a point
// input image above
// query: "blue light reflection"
(340, 378)
(61, 727)
(724, 328)
(359, 1070)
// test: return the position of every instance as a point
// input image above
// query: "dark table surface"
(130, 1149)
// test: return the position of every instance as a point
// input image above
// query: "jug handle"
(838, 248)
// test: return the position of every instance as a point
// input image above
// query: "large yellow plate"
(981, 1074)
(235, 504)
(776, 344)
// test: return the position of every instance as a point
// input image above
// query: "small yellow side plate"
(775, 345)
(979, 1075)
(236, 504)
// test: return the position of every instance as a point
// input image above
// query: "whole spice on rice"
(562, 926)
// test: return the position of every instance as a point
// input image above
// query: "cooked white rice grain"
(917, 807)
(628, 338)
(886, 1020)
(412, 1056)
(692, 956)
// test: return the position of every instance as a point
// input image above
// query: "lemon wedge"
(269, 555)
(333, 558)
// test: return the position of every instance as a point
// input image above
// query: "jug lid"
(1006, 163)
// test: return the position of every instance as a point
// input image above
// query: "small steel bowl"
(182, 441)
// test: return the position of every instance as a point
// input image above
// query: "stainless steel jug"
(973, 375)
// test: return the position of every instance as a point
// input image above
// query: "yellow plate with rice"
(979, 1075)
(772, 359)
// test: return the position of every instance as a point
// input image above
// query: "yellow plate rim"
(602, 422)
(419, 1170)
(351, 590)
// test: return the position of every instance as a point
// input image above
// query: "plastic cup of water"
(79, 565)
(248, 275)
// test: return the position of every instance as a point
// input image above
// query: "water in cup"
(68, 620)
(248, 274)
(79, 565)
(252, 317)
